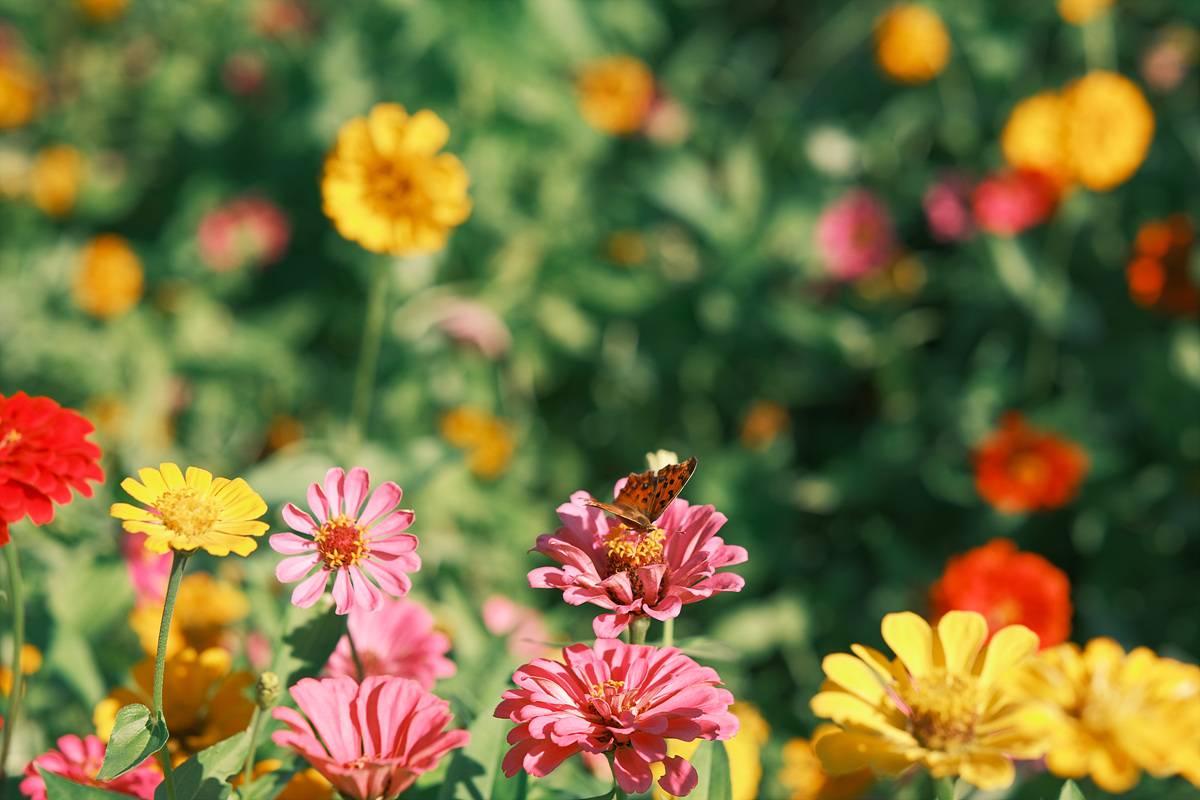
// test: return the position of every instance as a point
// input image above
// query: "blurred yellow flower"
(1111, 715)
(763, 423)
(911, 43)
(204, 611)
(615, 94)
(488, 441)
(1079, 12)
(109, 279)
(187, 513)
(31, 662)
(1033, 137)
(388, 188)
(307, 784)
(744, 749)
(54, 179)
(626, 248)
(803, 777)
(1109, 127)
(102, 10)
(204, 700)
(20, 86)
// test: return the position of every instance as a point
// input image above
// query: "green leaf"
(308, 645)
(712, 765)
(1070, 791)
(474, 772)
(268, 786)
(205, 776)
(135, 737)
(59, 788)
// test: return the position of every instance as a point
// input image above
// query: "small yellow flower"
(54, 179)
(388, 188)
(911, 43)
(488, 441)
(193, 512)
(109, 278)
(1109, 129)
(31, 662)
(102, 11)
(307, 784)
(744, 750)
(939, 704)
(615, 94)
(205, 609)
(20, 86)
(1034, 136)
(1079, 12)
(802, 775)
(1111, 715)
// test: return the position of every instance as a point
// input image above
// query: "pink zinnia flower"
(527, 634)
(397, 639)
(624, 698)
(78, 760)
(475, 325)
(363, 549)
(148, 572)
(1014, 201)
(854, 235)
(947, 207)
(370, 741)
(247, 231)
(653, 574)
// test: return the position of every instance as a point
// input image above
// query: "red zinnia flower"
(1020, 469)
(1007, 587)
(44, 453)
(1011, 202)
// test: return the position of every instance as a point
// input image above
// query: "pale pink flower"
(148, 572)
(370, 741)
(526, 632)
(397, 639)
(247, 231)
(1011, 202)
(854, 235)
(475, 325)
(78, 760)
(614, 697)
(634, 574)
(947, 205)
(365, 549)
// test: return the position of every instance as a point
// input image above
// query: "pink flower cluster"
(78, 760)
(397, 639)
(855, 236)
(1004, 204)
(248, 231)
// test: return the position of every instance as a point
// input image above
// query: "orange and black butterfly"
(646, 495)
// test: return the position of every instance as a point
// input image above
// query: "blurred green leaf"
(1070, 791)
(711, 762)
(205, 775)
(307, 646)
(59, 788)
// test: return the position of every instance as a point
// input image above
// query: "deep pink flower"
(397, 639)
(633, 574)
(370, 741)
(947, 207)
(363, 548)
(475, 325)
(248, 231)
(854, 235)
(1014, 201)
(78, 760)
(148, 572)
(612, 696)
(526, 632)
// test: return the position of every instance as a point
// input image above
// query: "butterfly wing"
(646, 495)
(668, 482)
(630, 516)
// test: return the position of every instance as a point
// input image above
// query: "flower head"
(1080, 12)
(54, 179)
(911, 43)
(1007, 586)
(78, 760)
(940, 703)
(192, 512)
(396, 639)
(947, 206)
(619, 698)
(855, 236)
(744, 749)
(360, 545)
(616, 94)
(1109, 129)
(102, 11)
(1034, 137)
(371, 741)
(802, 775)
(20, 83)
(148, 572)
(205, 610)
(1014, 201)
(248, 231)
(488, 440)
(1158, 273)
(763, 423)
(472, 324)
(388, 188)
(31, 662)
(44, 454)
(633, 573)
(1019, 468)
(109, 278)
(1111, 714)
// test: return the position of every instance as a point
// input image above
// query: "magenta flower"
(854, 235)
(366, 550)
(78, 760)
(148, 572)
(631, 573)
(947, 205)
(624, 698)
(370, 741)
(397, 639)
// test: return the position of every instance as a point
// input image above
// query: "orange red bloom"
(1158, 274)
(1019, 468)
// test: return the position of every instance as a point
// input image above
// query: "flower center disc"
(10, 438)
(609, 697)
(341, 542)
(943, 710)
(186, 512)
(628, 548)
(392, 190)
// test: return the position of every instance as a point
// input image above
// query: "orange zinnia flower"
(1007, 586)
(1019, 468)
(1158, 273)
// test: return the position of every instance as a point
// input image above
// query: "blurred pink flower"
(632, 573)
(397, 639)
(615, 697)
(527, 634)
(1014, 201)
(244, 73)
(248, 231)
(473, 324)
(947, 206)
(259, 651)
(78, 760)
(854, 235)
(667, 122)
(363, 549)
(148, 572)
(277, 19)
(370, 741)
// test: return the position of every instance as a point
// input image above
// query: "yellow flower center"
(942, 709)
(187, 513)
(341, 542)
(392, 189)
(612, 693)
(10, 438)
(628, 548)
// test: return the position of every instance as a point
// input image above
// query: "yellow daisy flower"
(802, 775)
(912, 44)
(939, 704)
(205, 609)
(744, 750)
(615, 94)
(193, 512)
(1112, 714)
(1109, 127)
(388, 188)
(1033, 136)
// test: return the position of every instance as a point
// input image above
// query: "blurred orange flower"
(1019, 468)
(31, 662)
(55, 178)
(911, 43)
(616, 94)
(1158, 271)
(1079, 12)
(20, 83)
(205, 611)
(803, 777)
(763, 423)
(102, 10)
(109, 280)
(1007, 586)
(1033, 137)
(306, 784)
(488, 440)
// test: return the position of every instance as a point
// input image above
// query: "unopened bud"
(267, 690)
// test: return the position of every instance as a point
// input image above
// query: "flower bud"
(267, 690)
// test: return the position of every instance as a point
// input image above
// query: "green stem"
(17, 606)
(358, 664)
(160, 660)
(944, 788)
(668, 637)
(638, 629)
(368, 354)
(252, 731)
(617, 792)
(1099, 42)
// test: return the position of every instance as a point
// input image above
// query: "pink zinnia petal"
(289, 544)
(383, 500)
(341, 592)
(293, 569)
(307, 592)
(334, 479)
(680, 777)
(297, 520)
(358, 483)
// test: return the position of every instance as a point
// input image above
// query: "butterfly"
(646, 495)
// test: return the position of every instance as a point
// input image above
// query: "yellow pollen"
(341, 542)
(187, 513)
(10, 438)
(943, 709)
(628, 548)
(612, 694)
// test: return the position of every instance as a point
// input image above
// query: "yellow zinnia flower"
(1109, 127)
(1079, 12)
(939, 704)
(31, 662)
(388, 188)
(193, 512)
(54, 179)
(205, 608)
(109, 279)
(744, 750)
(615, 94)
(911, 43)
(20, 86)
(204, 701)
(1111, 715)
(488, 440)
(1033, 137)
(805, 779)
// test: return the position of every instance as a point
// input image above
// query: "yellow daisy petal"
(153, 480)
(199, 479)
(855, 676)
(140, 526)
(222, 544)
(844, 708)
(962, 634)
(844, 752)
(143, 494)
(1010, 646)
(130, 512)
(911, 639)
(172, 475)
(241, 528)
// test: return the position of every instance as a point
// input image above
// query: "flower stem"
(638, 629)
(17, 606)
(252, 731)
(944, 788)
(160, 660)
(368, 354)
(617, 792)
(358, 665)
(668, 637)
